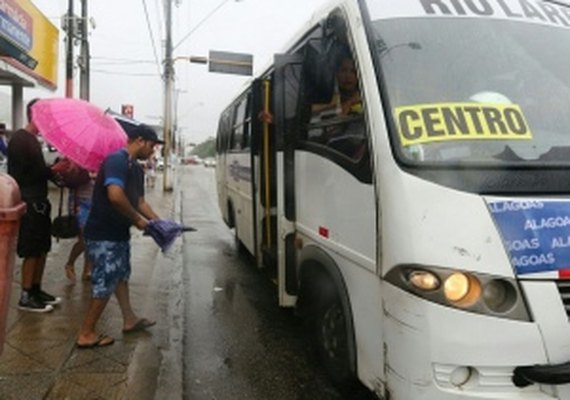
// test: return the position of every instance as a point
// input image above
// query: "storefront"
(29, 45)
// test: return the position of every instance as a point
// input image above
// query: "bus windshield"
(476, 91)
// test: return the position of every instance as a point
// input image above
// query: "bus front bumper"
(545, 374)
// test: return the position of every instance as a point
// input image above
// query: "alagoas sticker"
(438, 122)
(535, 233)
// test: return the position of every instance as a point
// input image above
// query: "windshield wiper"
(508, 155)
(558, 153)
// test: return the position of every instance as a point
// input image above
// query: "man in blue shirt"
(118, 203)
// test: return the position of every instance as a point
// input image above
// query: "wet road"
(236, 342)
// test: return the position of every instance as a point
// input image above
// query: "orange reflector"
(324, 232)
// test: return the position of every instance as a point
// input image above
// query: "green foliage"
(205, 149)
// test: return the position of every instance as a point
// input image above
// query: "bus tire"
(329, 333)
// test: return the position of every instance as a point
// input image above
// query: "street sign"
(230, 63)
(128, 110)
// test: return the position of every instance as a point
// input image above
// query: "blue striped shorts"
(111, 263)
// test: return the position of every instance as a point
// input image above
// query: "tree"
(205, 149)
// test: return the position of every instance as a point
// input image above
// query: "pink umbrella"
(78, 130)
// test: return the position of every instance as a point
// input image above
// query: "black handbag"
(64, 226)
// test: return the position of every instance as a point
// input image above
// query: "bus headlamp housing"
(479, 293)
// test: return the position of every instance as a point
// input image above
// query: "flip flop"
(102, 341)
(140, 325)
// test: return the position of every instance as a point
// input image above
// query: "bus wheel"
(330, 334)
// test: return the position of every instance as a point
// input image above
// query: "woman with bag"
(80, 183)
(80, 201)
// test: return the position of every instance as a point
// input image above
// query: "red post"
(11, 210)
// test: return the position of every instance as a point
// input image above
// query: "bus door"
(264, 180)
(287, 76)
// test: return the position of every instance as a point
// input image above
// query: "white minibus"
(402, 170)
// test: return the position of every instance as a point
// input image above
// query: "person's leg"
(101, 253)
(76, 250)
(39, 267)
(42, 246)
(87, 333)
(122, 294)
(30, 245)
(28, 268)
(83, 215)
(26, 247)
(86, 276)
(131, 322)
(37, 290)
(28, 299)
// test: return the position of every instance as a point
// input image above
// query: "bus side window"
(239, 124)
(247, 124)
(222, 142)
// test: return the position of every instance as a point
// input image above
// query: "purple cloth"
(164, 232)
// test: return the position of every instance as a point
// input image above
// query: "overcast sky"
(126, 66)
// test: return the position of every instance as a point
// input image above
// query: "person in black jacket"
(26, 164)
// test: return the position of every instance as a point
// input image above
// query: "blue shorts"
(111, 264)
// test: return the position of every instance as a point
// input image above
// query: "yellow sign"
(438, 122)
(29, 39)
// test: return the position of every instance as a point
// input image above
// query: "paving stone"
(40, 360)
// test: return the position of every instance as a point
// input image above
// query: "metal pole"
(168, 81)
(85, 62)
(69, 52)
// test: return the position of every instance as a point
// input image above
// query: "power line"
(200, 23)
(119, 61)
(106, 72)
(159, 17)
(151, 36)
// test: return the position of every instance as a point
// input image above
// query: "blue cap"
(143, 131)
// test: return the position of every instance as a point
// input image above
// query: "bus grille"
(564, 289)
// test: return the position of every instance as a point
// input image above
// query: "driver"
(347, 98)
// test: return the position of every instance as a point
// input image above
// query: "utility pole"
(85, 56)
(168, 81)
(70, 23)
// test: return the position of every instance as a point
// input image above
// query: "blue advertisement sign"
(535, 233)
(16, 24)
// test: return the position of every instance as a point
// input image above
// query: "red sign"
(127, 110)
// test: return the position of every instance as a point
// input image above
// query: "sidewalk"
(40, 360)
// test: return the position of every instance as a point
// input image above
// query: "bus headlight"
(462, 289)
(469, 291)
(424, 280)
(499, 295)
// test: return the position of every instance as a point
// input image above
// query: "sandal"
(101, 341)
(141, 325)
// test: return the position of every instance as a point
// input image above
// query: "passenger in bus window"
(347, 99)
(337, 124)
